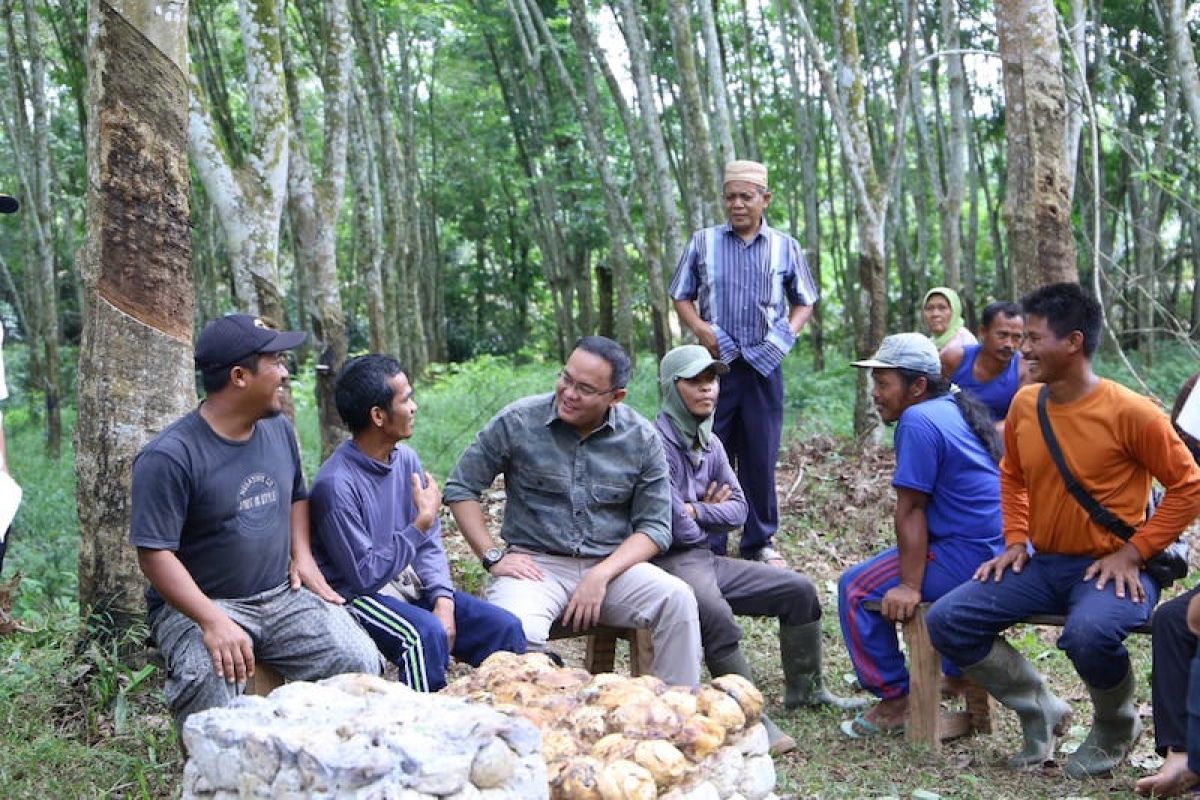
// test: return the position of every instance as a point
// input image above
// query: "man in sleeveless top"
(992, 370)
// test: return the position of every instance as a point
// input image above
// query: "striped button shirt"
(744, 290)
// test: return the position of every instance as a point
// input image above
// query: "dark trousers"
(1193, 707)
(749, 422)
(410, 636)
(725, 587)
(964, 623)
(1175, 647)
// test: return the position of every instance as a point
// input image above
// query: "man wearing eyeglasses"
(744, 289)
(588, 505)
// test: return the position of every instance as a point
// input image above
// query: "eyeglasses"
(584, 389)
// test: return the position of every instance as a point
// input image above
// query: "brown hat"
(748, 171)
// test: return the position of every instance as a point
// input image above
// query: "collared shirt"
(568, 495)
(744, 290)
(692, 471)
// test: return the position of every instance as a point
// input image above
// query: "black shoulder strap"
(1099, 514)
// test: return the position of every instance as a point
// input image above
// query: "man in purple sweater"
(378, 539)
(706, 499)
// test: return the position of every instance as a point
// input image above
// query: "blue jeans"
(411, 637)
(963, 623)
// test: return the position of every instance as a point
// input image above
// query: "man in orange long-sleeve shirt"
(1114, 442)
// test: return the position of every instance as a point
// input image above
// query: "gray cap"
(688, 361)
(913, 351)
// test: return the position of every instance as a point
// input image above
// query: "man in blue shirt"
(744, 289)
(378, 539)
(947, 518)
(992, 370)
(588, 505)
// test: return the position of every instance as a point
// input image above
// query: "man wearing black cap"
(220, 521)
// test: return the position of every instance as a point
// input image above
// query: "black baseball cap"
(8, 205)
(229, 339)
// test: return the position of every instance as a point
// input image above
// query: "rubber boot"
(736, 664)
(1115, 728)
(800, 652)
(1013, 681)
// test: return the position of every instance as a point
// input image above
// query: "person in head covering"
(947, 518)
(706, 499)
(942, 311)
(219, 517)
(8, 205)
(744, 289)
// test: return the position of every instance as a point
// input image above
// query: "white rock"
(753, 741)
(724, 769)
(758, 777)
(493, 765)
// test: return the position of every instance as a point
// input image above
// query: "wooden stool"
(602, 647)
(265, 680)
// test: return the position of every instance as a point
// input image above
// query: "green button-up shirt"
(568, 495)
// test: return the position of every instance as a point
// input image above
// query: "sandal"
(862, 728)
(767, 555)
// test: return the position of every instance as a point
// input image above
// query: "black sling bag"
(1165, 568)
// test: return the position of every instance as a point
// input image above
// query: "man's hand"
(516, 565)
(230, 648)
(583, 609)
(900, 602)
(303, 571)
(443, 609)
(427, 500)
(716, 494)
(1015, 556)
(707, 337)
(1123, 568)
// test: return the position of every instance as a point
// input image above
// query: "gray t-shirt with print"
(223, 507)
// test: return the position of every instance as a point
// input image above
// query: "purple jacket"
(689, 482)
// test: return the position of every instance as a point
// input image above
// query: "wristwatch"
(491, 557)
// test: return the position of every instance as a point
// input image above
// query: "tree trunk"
(249, 199)
(1037, 204)
(721, 118)
(138, 316)
(314, 214)
(703, 188)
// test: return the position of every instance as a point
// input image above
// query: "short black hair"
(362, 384)
(1066, 307)
(611, 352)
(1005, 307)
(214, 380)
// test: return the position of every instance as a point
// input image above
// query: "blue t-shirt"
(937, 453)
(223, 507)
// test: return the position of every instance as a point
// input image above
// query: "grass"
(93, 724)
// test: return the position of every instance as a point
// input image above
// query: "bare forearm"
(171, 579)
(637, 548)
(301, 537)
(468, 514)
(912, 540)
(689, 316)
(798, 317)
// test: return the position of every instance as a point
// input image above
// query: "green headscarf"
(686, 361)
(956, 319)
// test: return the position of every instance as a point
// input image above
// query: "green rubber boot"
(800, 652)
(1013, 681)
(1115, 728)
(736, 664)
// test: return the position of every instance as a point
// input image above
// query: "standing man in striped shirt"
(744, 289)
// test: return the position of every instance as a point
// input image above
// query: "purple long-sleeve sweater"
(690, 479)
(362, 512)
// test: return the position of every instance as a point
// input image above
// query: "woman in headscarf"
(706, 500)
(942, 312)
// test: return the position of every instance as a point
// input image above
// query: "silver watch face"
(492, 555)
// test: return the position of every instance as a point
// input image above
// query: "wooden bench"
(601, 651)
(927, 724)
